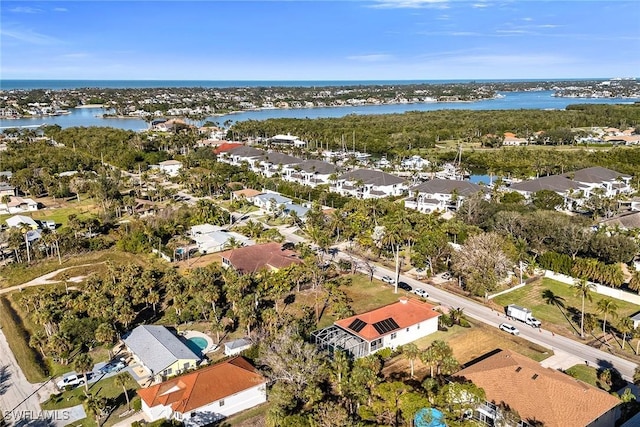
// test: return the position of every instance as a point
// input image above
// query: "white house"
(21, 221)
(415, 163)
(18, 205)
(272, 163)
(236, 346)
(238, 155)
(598, 179)
(7, 189)
(440, 194)
(170, 167)
(206, 395)
(369, 184)
(565, 187)
(287, 140)
(390, 326)
(212, 238)
(309, 172)
(271, 202)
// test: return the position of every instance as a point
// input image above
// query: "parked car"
(446, 275)
(509, 328)
(115, 365)
(388, 279)
(405, 286)
(72, 380)
(421, 292)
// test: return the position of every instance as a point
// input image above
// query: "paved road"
(16, 393)
(542, 337)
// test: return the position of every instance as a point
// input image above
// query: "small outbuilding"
(236, 346)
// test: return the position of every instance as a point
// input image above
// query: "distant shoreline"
(90, 106)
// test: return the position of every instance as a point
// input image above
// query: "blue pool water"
(198, 344)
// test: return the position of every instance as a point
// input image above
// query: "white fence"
(600, 289)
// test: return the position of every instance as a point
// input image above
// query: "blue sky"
(311, 40)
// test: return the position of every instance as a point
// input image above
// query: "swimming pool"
(199, 342)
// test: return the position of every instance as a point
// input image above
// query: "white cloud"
(377, 57)
(443, 18)
(410, 4)
(25, 9)
(28, 36)
(479, 5)
(77, 55)
(527, 19)
(60, 9)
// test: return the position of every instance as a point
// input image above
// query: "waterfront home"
(273, 163)
(548, 396)
(205, 396)
(602, 180)
(390, 326)
(569, 189)
(238, 156)
(251, 259)
(415, 163)
(440, 195)
(287, 140)
(369, 184)
(159, 351)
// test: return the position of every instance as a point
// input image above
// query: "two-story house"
(601, 180)
(440, 195)
(369, 184)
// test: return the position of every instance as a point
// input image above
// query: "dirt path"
(46, 279)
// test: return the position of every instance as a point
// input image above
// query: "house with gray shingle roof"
(571, 190)
(440, 194)
(243, 154)
(159, 351)
(309, 172)
(604, 180)
(272, 163)
(369, 184)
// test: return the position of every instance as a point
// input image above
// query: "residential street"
(539, 336)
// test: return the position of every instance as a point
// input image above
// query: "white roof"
(170, 163)
(18, 220)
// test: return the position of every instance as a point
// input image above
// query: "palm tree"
(411, 352)
(625, 325)
(121, 379)
(583, 289)
(607, 306)
(634, 283)
(95, 406)
(83, 364)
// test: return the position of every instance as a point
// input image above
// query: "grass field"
(551, 316)
(16, 274)
(59, 210)
(13, 327)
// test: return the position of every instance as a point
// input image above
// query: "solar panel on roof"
(386, 325)
(357, 325)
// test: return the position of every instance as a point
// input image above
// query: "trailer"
(523, 315)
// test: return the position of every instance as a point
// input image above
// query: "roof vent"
(519, 368)
(404, 300)
(534, 376)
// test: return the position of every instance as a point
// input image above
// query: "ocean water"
(139, 84)
(540, 100)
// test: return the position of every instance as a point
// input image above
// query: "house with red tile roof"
(207, 395)
(543, 395)
(389, 326)
(251, 259)
(226, 146)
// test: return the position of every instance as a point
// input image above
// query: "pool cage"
(335, 338)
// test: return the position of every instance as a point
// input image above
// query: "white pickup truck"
(72, 380)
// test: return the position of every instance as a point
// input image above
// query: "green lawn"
(30, 361)
(61, 214)
(530, 296)
(107, 388)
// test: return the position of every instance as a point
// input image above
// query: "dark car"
(404, 286)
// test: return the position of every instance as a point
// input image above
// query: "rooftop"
(199, 388)
(250, 259)
(384, 320)
(543, 394)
